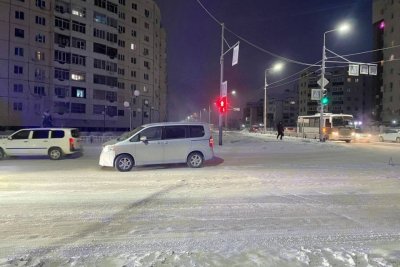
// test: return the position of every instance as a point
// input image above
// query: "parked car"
(361, 135)
(54, 142)
(160, 143)
(255, 129)
(390, 135)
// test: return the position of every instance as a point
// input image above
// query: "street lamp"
(128, 106)
(343, 28)
(136, 93)
(276, 68)
(233, 93)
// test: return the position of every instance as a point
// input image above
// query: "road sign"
(373, 70)
(320, 82)
(235, 57)
(354, 69)
(316, 94)
(236, 109)
(364, 69)
(224, 88)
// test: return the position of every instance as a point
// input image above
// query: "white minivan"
(54, 142)
(160, 143)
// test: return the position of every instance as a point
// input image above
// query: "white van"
(54, 142)
(160, 143)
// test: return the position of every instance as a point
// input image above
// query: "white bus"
(335, 126)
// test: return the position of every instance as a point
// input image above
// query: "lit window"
(77, 76)
(39, 55)
(133, 46)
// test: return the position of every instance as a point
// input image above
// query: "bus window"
(328, 123)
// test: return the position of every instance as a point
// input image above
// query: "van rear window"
(75, 133)
(57, 134)
(175, 132)
(196, 131)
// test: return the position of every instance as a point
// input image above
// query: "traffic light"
(324, 99)
(222, 104)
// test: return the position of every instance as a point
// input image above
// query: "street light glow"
(344, 27)
(233, 92)
(278, 66)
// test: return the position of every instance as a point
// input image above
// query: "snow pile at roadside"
(324, 257)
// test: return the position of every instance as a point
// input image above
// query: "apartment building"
(93, 64)
(386, 29)
(347, 94)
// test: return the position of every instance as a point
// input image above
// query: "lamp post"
(136, 93)
(233, 93)
(104, 118)
(277, 67)
(128, 106)
(342, 28)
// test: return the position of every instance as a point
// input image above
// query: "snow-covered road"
(260, 202)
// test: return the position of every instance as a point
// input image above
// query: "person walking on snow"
(281, 129)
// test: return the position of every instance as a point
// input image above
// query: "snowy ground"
(261, 202)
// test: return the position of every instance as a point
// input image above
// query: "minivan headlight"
(108, 148)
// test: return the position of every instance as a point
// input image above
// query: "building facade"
(93, 64)
(282, 108)
(386, 29)
(347, 94)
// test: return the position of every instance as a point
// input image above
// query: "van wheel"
(2, 154)
(124, 163)
(381, 139)
(55, 153)
(195, 160)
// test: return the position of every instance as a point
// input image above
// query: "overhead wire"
(276, 83)
(252, 44)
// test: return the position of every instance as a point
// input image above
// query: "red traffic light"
(222, 104)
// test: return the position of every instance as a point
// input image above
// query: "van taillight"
(71, 144)
(211, 142)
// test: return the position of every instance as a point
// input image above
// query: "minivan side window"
(153, 133)
(57, 134)
(174, 132)
(21, 135)
(196, 131)
(40, 134)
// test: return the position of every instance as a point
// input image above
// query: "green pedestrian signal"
(325, 100)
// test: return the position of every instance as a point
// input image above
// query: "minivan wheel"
(2, 154)
(195, 160)
(380, 139)
(124, 163)
(55, 153)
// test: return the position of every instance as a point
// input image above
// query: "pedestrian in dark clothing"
(281, 129)
(47, 120)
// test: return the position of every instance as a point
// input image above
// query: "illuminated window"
(78, 76)
(39, 55)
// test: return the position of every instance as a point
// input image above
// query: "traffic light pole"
(321, 106)
(220, 85)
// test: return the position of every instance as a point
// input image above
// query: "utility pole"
(321, 107)
(221, 60)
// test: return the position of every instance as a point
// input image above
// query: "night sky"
(289, 28)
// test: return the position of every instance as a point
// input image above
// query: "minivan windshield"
(127, 135)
